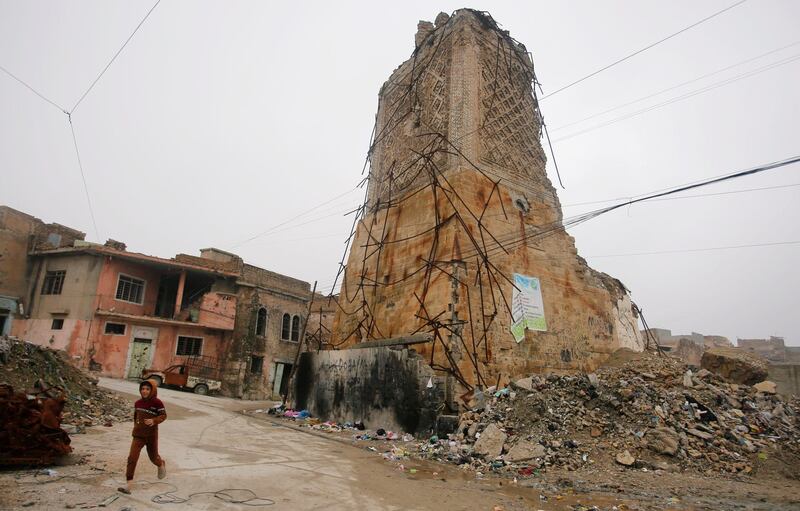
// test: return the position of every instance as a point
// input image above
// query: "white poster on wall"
(527, 307)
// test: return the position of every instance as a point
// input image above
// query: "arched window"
(261, 322)
(296, 328)
(286, 327)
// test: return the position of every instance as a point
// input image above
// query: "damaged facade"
(118, 312)
(458, 204)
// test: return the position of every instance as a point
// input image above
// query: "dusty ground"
(210, 446)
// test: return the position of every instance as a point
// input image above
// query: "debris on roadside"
(640, 411)
(27, 366)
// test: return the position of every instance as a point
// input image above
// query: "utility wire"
(24, 84)
(83, 177)
(289, 220)
(686, 196)
(637, 52)
(708, 249)
(686, 95)
(662, 91)
(517, 240)
(115, 56)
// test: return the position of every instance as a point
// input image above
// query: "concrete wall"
(787, 377)
(384, 388)
(79, 291)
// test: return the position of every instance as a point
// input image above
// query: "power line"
(662, 91)
(708, 249)
(24, 84)
(289, 220)
(685, 197)
(637, 52)
(115, 55)
(83, 177)
(686, 95)
(516, 240)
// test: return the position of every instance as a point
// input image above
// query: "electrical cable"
(555, 227)
(12, 75)
(687, 196)
(637, 52)
(708, 249)
(83, 177)
(289, 220)
(686, 95)
(115, 56)
(250, 498)
(662, 91)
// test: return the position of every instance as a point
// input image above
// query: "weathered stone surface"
(700, 434)
(456, 90)
(491, 441)
(735, 365)
(525, 451)
(524, 384)
(625, 458)
(767, 387)
(663, 440)
(687, 379)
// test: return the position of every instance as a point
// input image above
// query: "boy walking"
(148, 414)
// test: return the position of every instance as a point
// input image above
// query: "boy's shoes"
(162, 470)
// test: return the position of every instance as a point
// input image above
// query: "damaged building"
(462, 236)
(118, 312)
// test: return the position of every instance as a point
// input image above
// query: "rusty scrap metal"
(30, 426)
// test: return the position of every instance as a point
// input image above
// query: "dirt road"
(210, 446)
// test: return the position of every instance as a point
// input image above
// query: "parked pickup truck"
(200, 379)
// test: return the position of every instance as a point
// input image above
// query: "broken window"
(286, 327)
(130, 289)
(256, 364)
(53, 282)
(115, 329)
(261, 322)
(295, 328)
(189, 346)
(58, 324)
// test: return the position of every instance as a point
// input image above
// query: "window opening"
(295, 328)
(53, 282)
(130, 289)
(115, 329)
(58, 324)
(261, 322)
(189, 346)
(286, 327)
(256, 364)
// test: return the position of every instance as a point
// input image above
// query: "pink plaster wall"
(107, 287)
(218, 311)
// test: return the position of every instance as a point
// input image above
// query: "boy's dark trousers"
(136, 447)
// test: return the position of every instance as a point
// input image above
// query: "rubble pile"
(30, 367)
(30, 427)
(644, 411)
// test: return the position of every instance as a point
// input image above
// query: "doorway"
(281, 382)
(140, 357)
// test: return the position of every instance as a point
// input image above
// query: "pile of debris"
(645, 411)
(30, 427)
(33, 368)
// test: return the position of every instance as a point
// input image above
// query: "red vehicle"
(201, 375)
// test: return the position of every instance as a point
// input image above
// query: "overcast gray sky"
(221, 120)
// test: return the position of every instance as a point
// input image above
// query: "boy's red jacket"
(150, 408)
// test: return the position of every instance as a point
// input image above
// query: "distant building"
(773, 349)
(688, 347)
